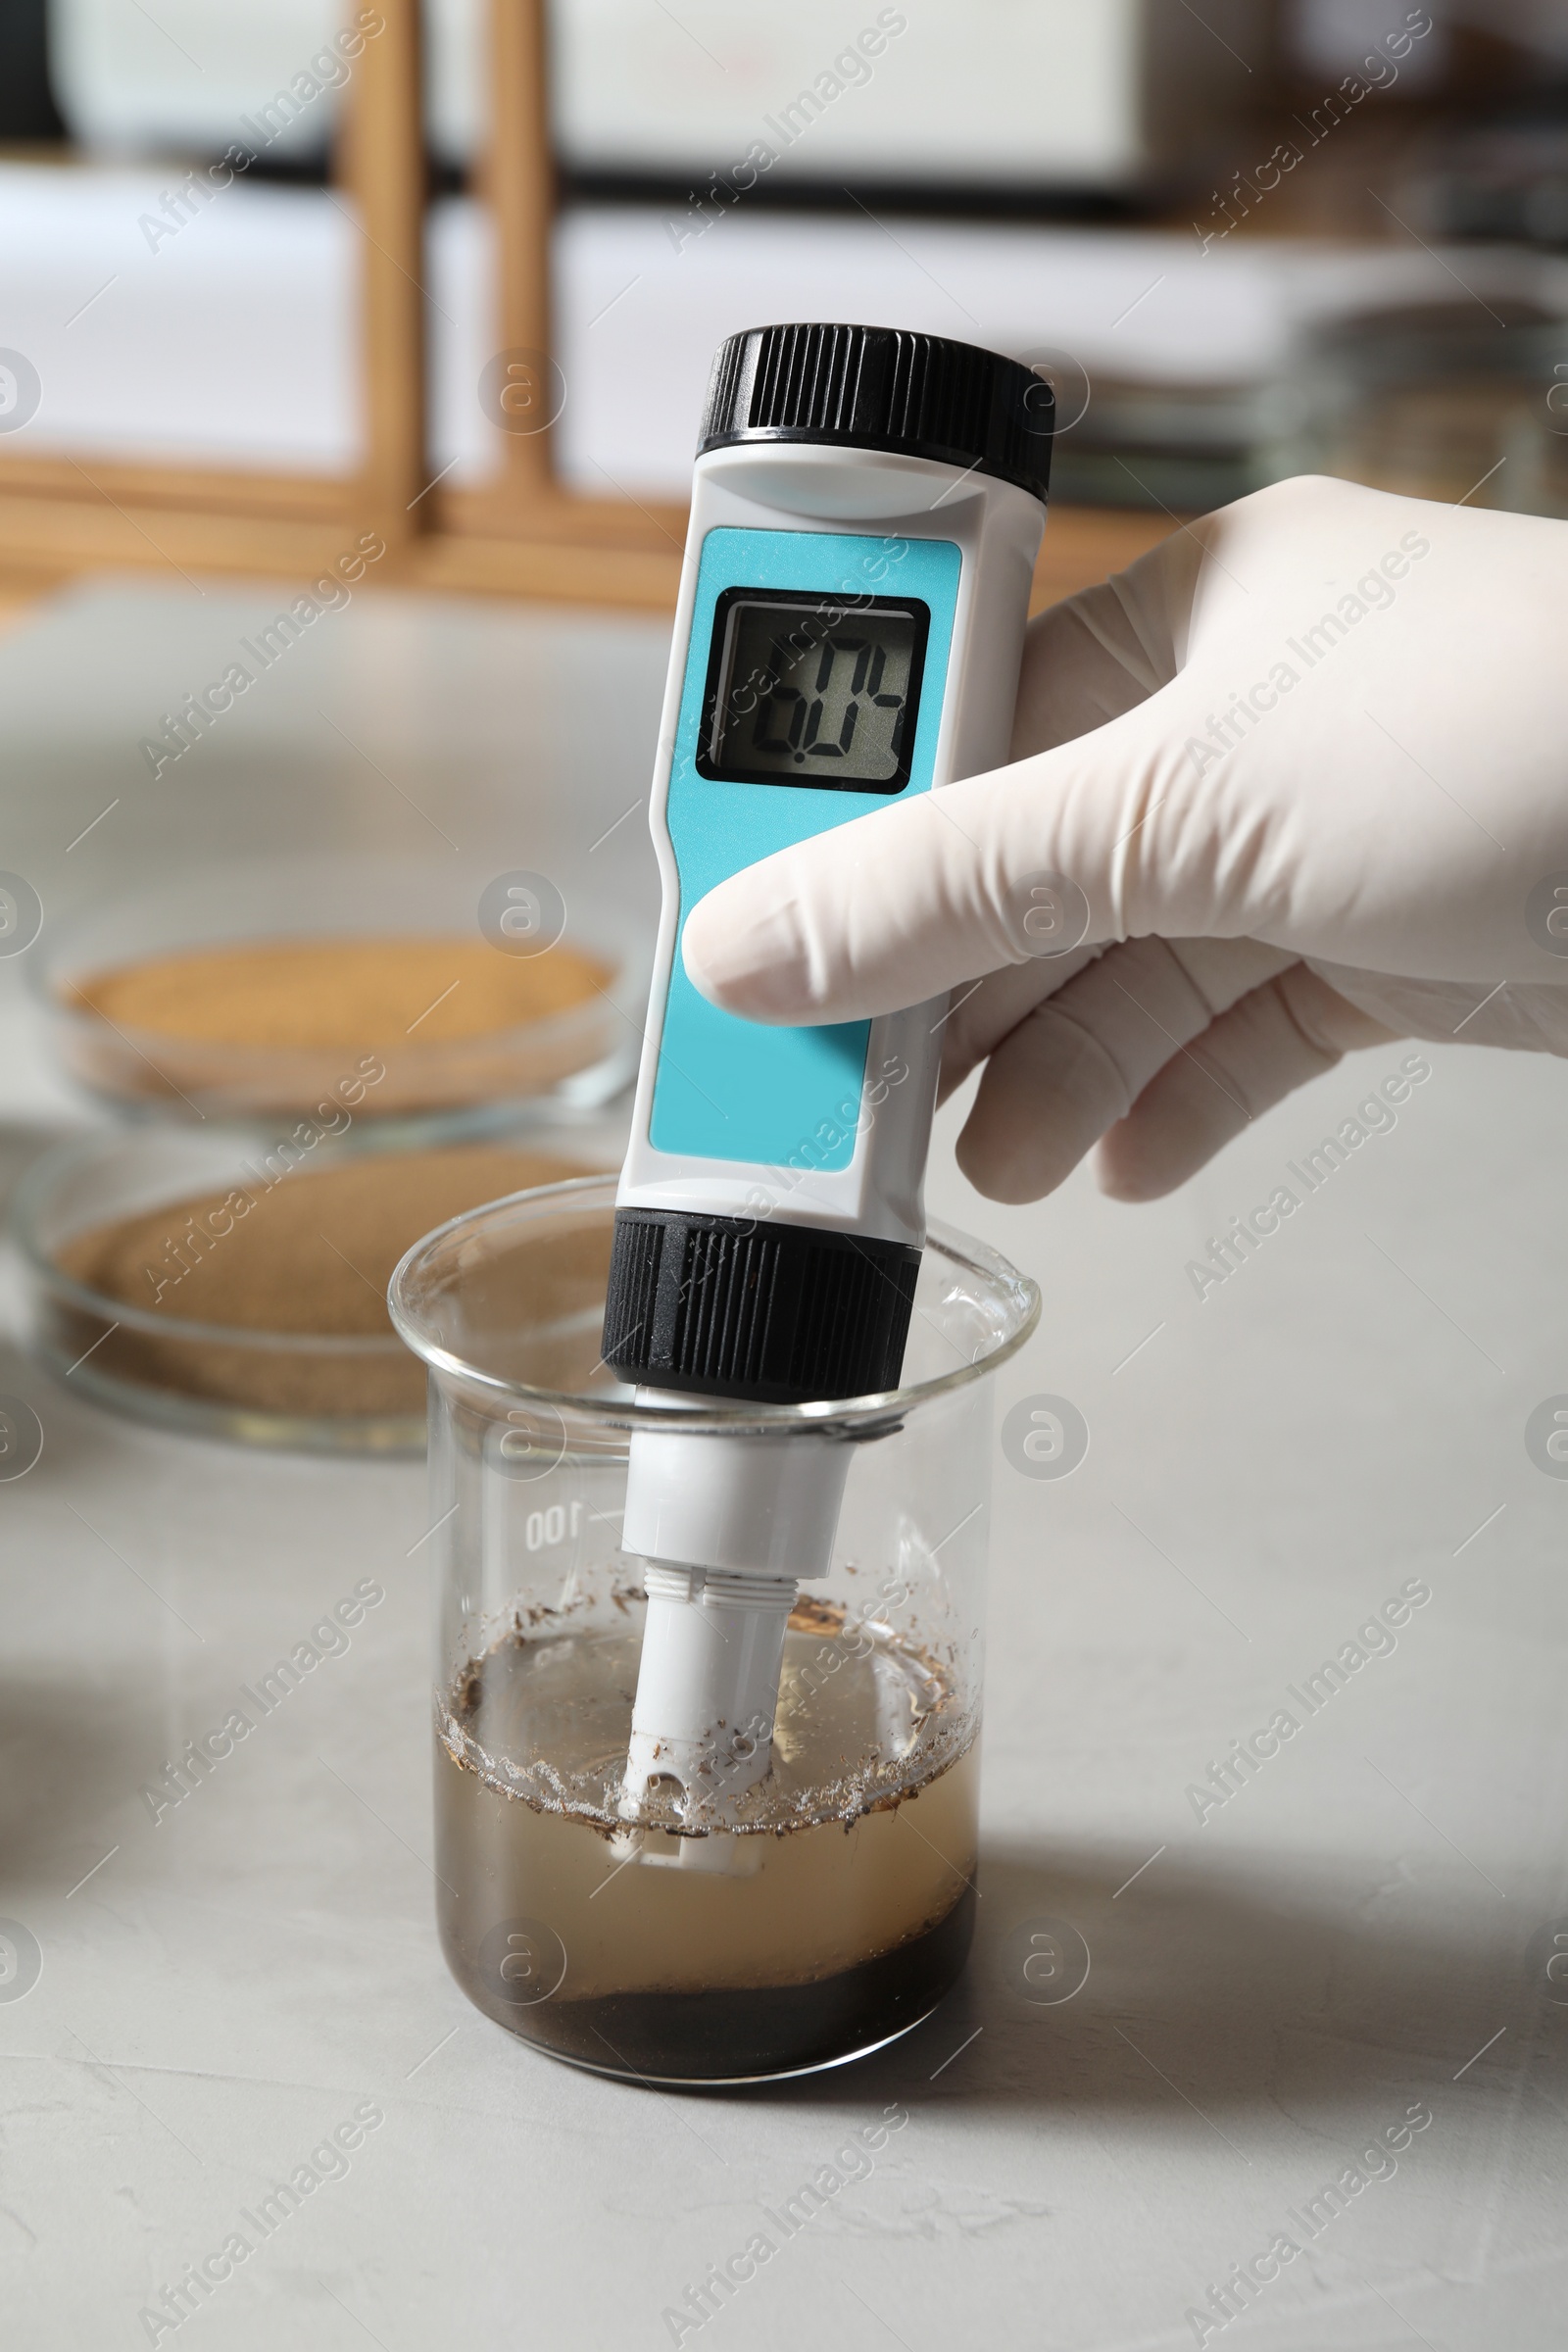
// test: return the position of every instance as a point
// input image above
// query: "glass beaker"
(835, 1907)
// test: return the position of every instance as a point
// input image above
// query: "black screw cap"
(879, 387)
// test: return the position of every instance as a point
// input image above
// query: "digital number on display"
(804, 691)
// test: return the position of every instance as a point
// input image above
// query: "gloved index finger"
(892, 909)
(1006, 868)
(888, 910)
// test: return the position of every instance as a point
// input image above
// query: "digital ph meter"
(866, 509)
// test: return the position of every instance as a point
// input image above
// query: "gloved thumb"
(1029, 861)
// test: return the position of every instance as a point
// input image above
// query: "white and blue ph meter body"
(866, 509)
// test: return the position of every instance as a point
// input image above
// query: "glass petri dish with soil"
(395, 997)
(235, 1287)
(834, 1908)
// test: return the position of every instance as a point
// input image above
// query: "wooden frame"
(525, 534)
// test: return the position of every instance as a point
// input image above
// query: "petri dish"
(235, 1285)
(282, 993)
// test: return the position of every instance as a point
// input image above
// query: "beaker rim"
(1014, 1296)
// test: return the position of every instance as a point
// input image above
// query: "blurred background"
(1244, 237)
(283, 280)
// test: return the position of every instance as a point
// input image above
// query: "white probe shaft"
(728, 1526)
(708, 1686)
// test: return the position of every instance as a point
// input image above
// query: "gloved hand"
(1305, 764)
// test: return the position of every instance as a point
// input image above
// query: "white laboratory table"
(1357, 1936)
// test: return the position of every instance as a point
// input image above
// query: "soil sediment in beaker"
(835, 1914)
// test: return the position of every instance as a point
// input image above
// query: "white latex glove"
(1307, 761)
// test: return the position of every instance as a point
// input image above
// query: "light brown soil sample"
(354, 994)
(312, 1252)
(281, 1026)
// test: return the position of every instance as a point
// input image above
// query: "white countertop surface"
(1348, 1935)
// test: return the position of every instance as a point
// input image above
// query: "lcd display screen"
(804, 691)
